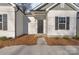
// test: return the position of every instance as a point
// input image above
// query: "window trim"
(2, 23)
(63, 23)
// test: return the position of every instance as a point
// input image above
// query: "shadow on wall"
(25, 25)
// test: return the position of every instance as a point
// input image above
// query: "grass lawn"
(24, 40)
(61, 41)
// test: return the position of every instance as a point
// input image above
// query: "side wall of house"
(19, 23)
(25, 24)
(10, 11)
(51, 22)
(32, 25)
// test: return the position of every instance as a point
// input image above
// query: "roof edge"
(66, 3)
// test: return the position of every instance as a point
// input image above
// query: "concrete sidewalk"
(40, 50)
(41, 41)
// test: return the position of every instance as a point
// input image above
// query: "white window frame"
(62, 23)
(2, 22)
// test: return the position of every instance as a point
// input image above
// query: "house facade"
(51, 19)
(12, 20)
(54, 19)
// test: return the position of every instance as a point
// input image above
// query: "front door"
(40, 26)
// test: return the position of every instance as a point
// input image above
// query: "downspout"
(15, 21)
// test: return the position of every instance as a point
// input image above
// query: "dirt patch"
(53, 41)
(24, 40)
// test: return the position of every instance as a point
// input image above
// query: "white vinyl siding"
(61, 13)
(62, 5)
(32, 25)
(9, 16)
(19, 23)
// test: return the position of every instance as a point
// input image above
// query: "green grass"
(3, 38)
(56, 37)
(66, 37)
(76, 37)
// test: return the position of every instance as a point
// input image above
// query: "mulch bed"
(53, 41)
(24, 40)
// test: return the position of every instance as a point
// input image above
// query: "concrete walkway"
(40, 50)
(41, 41)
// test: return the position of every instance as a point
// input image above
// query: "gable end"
(67, 6)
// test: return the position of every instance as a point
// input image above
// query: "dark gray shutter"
(4, 21)
(0, 26)
(56, 23)
(0, 22)
(67, 24)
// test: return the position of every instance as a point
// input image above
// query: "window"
(62, 23)
(3, 22)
